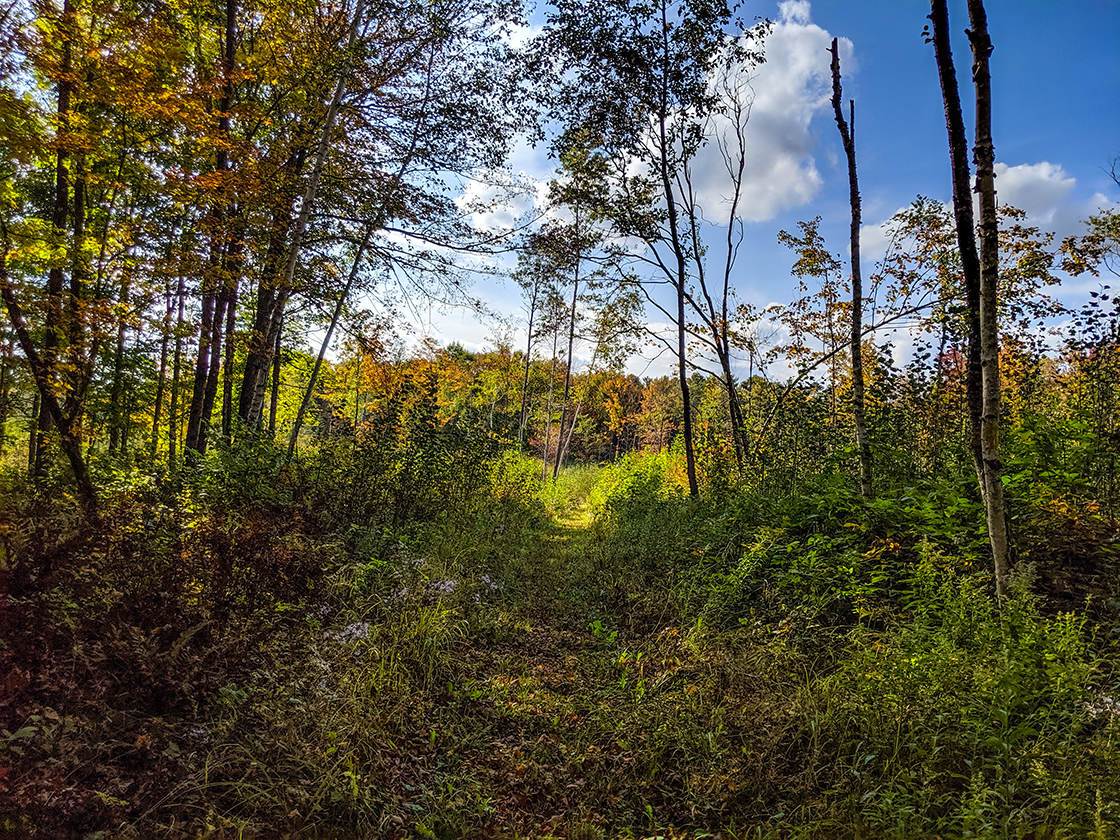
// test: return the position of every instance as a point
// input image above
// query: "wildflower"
(355, 632)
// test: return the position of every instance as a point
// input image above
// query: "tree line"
(190, 188)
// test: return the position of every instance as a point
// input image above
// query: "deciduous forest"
(271, 566)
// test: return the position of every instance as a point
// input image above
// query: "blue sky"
(1056, 100)
(1056, 126)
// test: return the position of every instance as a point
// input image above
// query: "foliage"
(406, 624)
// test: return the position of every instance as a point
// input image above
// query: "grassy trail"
(584, 719)
(500, 673)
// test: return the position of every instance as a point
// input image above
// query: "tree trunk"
(195, 438)
(53, 327)
(126, 427)
(717, 320)
(847, 134)
(524, 417)
(339, 304)
(63, 419)
(984, 155)
(358, 388)
(257, 384)
(116, 392)
(210, 390)
(79, 269)
(735, 162)
(213, 287)
(227, 310)
(275, 397)
(681, 280)
(548, 413)
(962, 212)
(259, 351)
(176, 371)
(571, 342)
(161, 379)
(33, 435)
(5, 395)
(227, 364)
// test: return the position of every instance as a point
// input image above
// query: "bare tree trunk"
(962, 212)
(79, 270)
(732, 147)
(717, 319)
(53, 326)
(33, 435)
(210, 389)
(275, 396)
(5, 394)
(358, 387)
(259, 351)
(213, 289)
(848, 135)
(681, 279)
(571, 341)
(227, 364)
(548, 414)
(984, 155)
(195, 438)
(524, 417)
(126, 427)
(225, 251)
(567, 441)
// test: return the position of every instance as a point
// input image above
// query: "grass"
(544, 666)
(566, 500)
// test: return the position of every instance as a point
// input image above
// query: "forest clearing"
(689, 546)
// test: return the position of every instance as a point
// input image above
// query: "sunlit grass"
(566, 498)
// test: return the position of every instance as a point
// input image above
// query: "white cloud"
(1100, 202)
(521, 34)
(795, 11)
(874, 240)
(1041, 189)
(497, 203)
(1044, 190)
(789, 89)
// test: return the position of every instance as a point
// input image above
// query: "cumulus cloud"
(789, 89)
(1041, 189)
(1045, 191)
(785, 92)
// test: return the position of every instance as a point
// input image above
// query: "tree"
(847, 134)
(543, 265)
(714, 304)
(642, 100)
(578, 191)
(962, 212)
(982, 278)
(111, 71)
(984, 155)
(820, 317)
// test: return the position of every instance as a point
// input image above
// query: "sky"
(1056, 127)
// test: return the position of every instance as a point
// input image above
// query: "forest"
(274, 565)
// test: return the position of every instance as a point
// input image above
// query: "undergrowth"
(352, 646)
